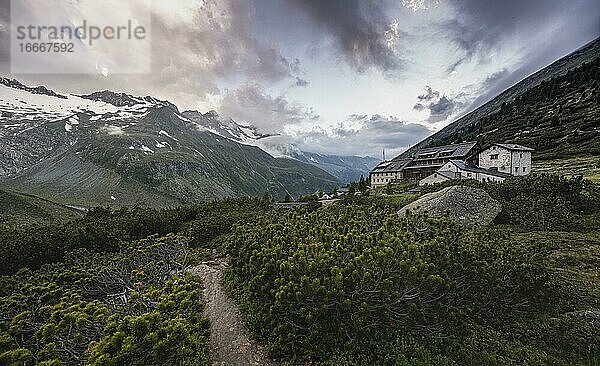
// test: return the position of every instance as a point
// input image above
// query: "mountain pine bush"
(356, 285)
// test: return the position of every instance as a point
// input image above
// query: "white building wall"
(449, 167)
(382, 178)
(458, 173)
(472, 175)
(521, 162)
(496, 157)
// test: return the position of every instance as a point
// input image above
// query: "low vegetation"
(587, 167)
(110, 288)
(542, 202)
(342, 284)
(138, 308)
(355, 285)
(107, 230)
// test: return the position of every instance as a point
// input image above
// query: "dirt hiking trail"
(230, 340)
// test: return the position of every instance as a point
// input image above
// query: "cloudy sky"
(332, 76)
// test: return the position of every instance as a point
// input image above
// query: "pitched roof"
(453, 151)
(446, 173)
(393, 165)
(515, 147)
(475, 169)
(457, 150)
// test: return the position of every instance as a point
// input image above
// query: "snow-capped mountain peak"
(225, 127)
(126, 100)
(15, 84)
(36, 120)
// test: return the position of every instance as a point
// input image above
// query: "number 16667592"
(49, 47)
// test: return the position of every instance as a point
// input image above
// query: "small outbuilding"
(458, 169)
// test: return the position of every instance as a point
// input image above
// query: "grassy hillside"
(555, 111)
(142, 167)
(588, 167)
(17, 208)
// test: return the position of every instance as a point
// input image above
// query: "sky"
(330, 76)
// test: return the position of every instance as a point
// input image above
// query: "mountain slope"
(556, 111)
(345, 168)
(112, 148)
(16, 208)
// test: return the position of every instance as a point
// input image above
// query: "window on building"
(516, 169)
(469, 174)
(494, 157)
(521, 155)
(524, 169)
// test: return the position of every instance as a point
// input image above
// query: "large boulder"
(469, 206)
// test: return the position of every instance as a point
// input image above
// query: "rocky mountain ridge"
(117, 149)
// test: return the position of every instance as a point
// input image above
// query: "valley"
(134, 233)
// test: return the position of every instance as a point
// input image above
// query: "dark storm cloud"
(430, 94)
(4, 32)
(443, 107)
(192, 52)
(483, 25)
(359, 29)
(270, 65)
(549, 29)
(439, 107)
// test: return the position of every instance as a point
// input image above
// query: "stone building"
(507, 158)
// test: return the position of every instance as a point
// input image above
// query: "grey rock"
(469, 206)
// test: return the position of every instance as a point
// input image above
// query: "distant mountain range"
(345, 168)
(555, 111)
(118, 149)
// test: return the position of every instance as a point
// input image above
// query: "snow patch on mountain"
(147, 149)
(165, 133)
(113, 130)
(225, 127)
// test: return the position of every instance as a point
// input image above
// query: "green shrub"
(354, 280)
(133, 308)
